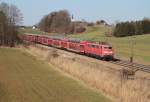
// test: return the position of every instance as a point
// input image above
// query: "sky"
(90, 10)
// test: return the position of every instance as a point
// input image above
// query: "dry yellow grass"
(98, 76)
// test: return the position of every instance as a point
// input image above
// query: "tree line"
(60, 22)
(132, 28)
(10, 18)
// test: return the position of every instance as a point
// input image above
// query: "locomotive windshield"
(109, 47)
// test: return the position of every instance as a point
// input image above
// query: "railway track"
(133, 66)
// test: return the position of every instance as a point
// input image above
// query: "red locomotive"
(100, 50)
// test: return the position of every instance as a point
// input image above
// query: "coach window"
(108, 47)
(93, 46)
(81, 46)
(89, 45)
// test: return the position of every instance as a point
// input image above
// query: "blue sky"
(90, 10)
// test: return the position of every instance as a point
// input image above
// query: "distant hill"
(94, 33)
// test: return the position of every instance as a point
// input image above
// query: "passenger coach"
(101, 50)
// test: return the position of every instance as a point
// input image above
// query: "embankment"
(103, 76)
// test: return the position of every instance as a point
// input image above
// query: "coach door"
(82, 47)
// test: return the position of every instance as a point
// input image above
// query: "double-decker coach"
(100, 50)
(74, 44)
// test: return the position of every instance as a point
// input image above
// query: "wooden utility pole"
(132, 48)
(2, 33)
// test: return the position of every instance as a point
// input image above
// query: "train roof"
(105, 44)
(77, 40)
(98, 42)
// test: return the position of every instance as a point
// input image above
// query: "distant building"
(34, 27)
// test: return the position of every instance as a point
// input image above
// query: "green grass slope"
(92, 33)
(141, 47)
(30, 30)
(23, 78)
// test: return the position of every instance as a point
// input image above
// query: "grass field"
(30, 30)
(23, 78)
(122, 46)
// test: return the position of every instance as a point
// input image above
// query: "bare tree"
(12, 13)
(13, 18)
(59, 22)
(3, 23)
(15, 15)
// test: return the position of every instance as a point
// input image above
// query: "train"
(100, 50)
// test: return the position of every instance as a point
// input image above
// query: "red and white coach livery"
(100, 50)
